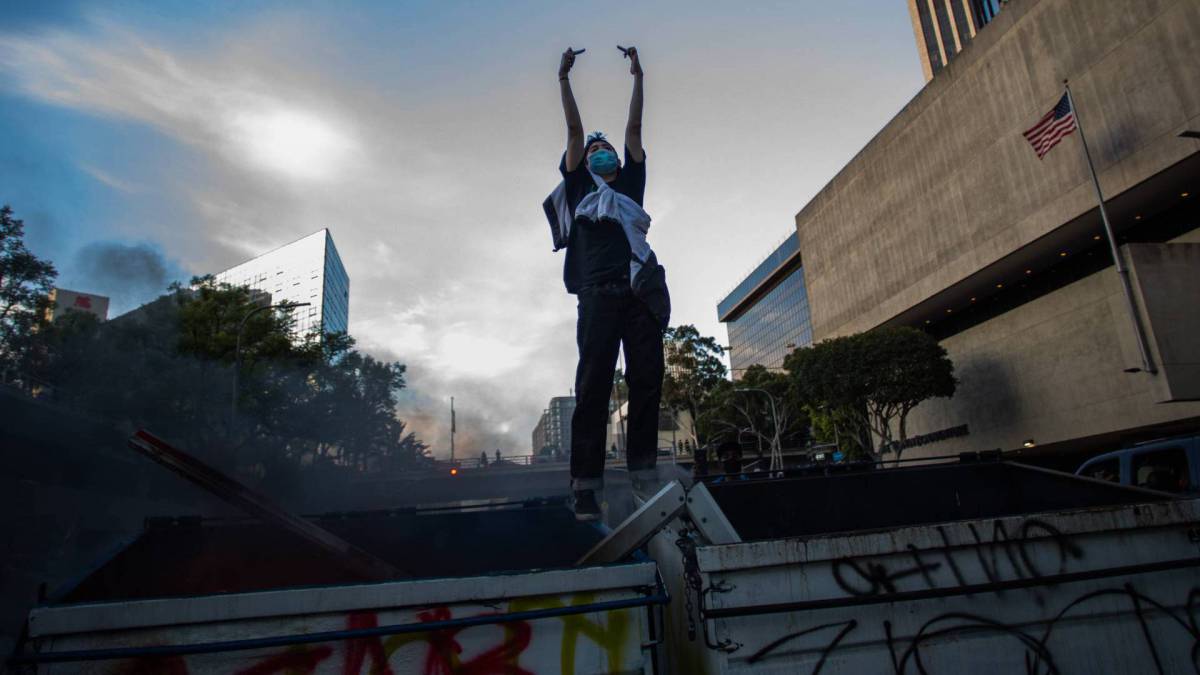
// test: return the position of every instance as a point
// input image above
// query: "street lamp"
(776, 451)
(237, 352)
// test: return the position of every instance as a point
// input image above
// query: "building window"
(1108, 470)
(931, 44)
(947, 33)
(1165, 470)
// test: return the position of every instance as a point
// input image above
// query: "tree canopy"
(740, 411)
(25, 285)
(694, 369)
(867, 383)
(169, 365)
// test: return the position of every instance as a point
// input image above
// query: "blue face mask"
(603, 162)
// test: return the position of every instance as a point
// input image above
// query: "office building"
(307, 270)
(74, 301)
(948, 221)
(944, 28)
(552, 435)
(767, 313)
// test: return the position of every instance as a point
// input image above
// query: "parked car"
(1169, 465)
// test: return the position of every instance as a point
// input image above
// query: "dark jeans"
(610, 316)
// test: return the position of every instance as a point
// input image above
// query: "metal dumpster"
(971, 567)
(486, 589)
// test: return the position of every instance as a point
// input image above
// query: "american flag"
(1053, 126)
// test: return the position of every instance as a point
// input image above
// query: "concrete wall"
(950, 186)
(1166, 278)
(1052, 369)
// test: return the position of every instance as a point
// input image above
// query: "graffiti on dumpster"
(446, 651)
(1038, 655)
(1002, 555)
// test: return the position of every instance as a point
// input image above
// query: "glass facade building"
(944, 27)
(767, 313)
(307, 270)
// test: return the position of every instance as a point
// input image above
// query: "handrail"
(659, 598)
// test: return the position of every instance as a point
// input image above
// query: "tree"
(25, 284)
(169, 367)
(871, 381)
(754, 407)
(694, 370)
(735, 409)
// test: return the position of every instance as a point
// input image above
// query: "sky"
(144, 143)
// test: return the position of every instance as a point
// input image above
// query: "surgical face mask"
(603, 162)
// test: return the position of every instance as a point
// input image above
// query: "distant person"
(730, 454)
(596, 214)
(497, 455)
(483, 461)
(699, 461)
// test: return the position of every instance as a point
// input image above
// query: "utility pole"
(452, 429)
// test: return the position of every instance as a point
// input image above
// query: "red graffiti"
(358, 650)
(444, 649)
(290, 662)
(444, 655)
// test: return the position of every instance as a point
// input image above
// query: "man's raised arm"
(570, 110)
(633, 128)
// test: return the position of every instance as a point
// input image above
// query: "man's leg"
(599, 338)
(644, 360)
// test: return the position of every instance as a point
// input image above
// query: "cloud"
(425, 138)
(128, 274)
(450, 267)
(246, 119)
(108, 179)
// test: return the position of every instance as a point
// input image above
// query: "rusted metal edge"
(352, 558)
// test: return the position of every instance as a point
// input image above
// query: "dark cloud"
(129, 274)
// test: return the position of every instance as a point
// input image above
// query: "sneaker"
(645, 482)
(586, 507)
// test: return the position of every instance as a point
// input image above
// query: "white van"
(1169, 465)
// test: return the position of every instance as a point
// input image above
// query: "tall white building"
(307, 270)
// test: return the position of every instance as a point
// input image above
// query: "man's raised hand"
(631, 53)
(568, 60)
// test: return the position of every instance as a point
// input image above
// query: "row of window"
(951, 26)
(763, 333)
(1165, 470)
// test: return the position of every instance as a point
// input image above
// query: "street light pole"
(776, 451)
(237, 353)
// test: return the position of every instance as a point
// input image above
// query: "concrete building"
(74, 301)
(767, 313)
(943, 28)
(947, 220)
(306, 270)
(553, 431)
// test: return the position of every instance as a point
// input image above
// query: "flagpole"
(1140, 332)
(452, 428)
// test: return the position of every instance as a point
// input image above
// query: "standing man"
(620, 286)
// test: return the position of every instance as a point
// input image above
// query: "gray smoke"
(129, 274)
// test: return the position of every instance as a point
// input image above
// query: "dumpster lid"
(901, 497)
(193, 556)
(639, 577)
